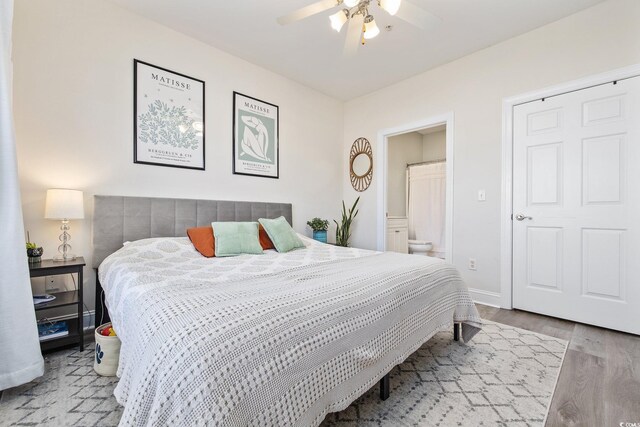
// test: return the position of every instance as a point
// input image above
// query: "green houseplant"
(34, 252)
(343, 230)
(319, 227)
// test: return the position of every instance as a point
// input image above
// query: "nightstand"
(67, 298)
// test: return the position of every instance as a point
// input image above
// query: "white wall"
(403, 149)
(73, 109)
(434, 146)
(604, 37)
(73, 106)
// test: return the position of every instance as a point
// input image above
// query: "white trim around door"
(382, 151)
(506, 236)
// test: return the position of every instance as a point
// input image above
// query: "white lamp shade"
(64, 204)
(351, 3)
(391, 6)
(371, 29)
(338, 19)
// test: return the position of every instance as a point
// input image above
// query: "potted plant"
(343, 230)
(319, 227)
(33, 251)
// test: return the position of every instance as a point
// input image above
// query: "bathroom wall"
(412, 147)
(434, 146)
(403, 149)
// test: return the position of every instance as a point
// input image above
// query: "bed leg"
(456, 331)
(384, 387)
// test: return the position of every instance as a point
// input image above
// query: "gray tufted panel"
(118, 219)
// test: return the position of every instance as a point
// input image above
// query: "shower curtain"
(20, 357)
(426, 188)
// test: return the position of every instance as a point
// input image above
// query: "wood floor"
(599, 383)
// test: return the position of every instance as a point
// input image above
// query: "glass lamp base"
(65, 247)
(61, 258)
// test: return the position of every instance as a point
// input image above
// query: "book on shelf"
(51, 330)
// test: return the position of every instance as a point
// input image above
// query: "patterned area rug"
(504, 377)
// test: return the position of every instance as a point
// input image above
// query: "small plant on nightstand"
(33, 251)
(319, 227)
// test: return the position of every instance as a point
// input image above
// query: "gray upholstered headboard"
(118, 219)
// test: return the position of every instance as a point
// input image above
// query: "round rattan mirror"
(361, 164)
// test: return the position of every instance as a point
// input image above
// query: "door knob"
(521, 217)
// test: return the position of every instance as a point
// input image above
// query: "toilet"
(420, 247)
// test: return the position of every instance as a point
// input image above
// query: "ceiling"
(311, 53)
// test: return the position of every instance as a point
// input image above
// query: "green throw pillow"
(281, 234)
(236, 238)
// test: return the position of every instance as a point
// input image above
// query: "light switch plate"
(482, 195)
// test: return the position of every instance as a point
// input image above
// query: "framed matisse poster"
(168, 118)
(256, 137)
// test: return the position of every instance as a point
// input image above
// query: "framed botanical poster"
(256, 137)
(168, 118)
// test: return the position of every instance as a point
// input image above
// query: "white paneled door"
(576, 206)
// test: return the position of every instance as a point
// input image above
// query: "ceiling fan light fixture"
(338, 19)
(370, 28)
(351, 3)
(391, 6)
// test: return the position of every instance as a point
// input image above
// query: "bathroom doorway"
(416, 188)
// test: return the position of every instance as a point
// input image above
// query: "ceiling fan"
(362, 25)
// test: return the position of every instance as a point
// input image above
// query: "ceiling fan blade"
(354, 35)
(416, 16)
(307, 11)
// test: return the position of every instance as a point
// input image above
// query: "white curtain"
(20, 357)
(426, 204)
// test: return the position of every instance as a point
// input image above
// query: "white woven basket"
(107, 354)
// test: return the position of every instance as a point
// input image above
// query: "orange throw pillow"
(265, 241)
(203, 240)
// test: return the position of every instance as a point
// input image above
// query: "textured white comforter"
(273, 339)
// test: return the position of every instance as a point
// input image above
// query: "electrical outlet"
(54, 283)
(472, 264)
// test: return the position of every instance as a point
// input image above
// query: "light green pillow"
(281, 234)
(236, 238)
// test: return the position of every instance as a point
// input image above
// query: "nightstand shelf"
(63, 299)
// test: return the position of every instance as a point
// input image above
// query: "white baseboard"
(87, 319)
(485, 297)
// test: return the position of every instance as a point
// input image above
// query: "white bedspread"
(273, 339)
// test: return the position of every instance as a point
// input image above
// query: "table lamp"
(63, 205)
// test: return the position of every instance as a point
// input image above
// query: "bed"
(272, 339)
